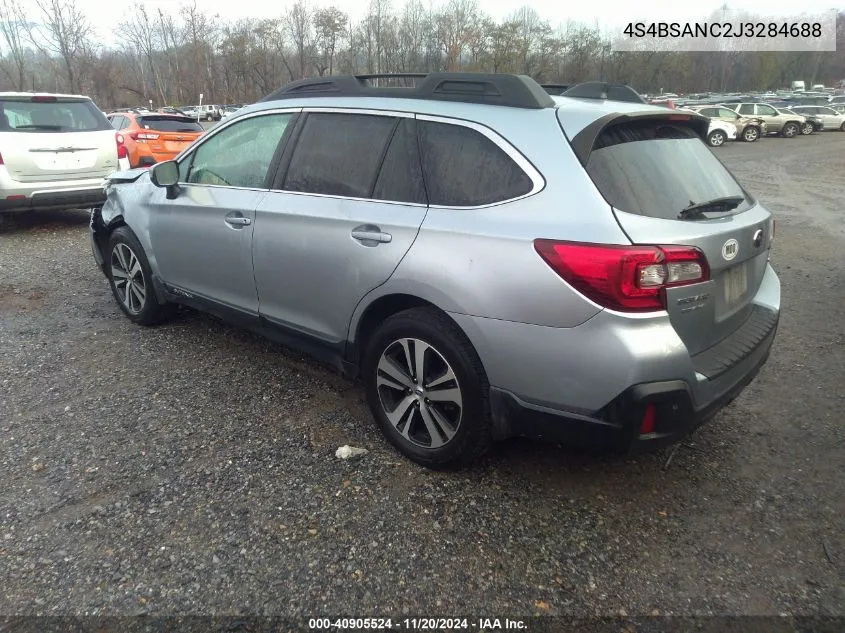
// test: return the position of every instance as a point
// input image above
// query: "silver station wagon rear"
(488, 261)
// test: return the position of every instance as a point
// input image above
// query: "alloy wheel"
(750, 134)
(419, 393)
(128, 278)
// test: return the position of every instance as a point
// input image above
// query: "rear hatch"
(666, 187)
(46, 138)
(167, 134)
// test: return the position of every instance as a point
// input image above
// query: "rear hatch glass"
(657, 169)
(51, 116)
(169, 124)
(667, 187)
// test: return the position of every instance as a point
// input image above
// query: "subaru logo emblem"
(758, 238)
(730, 249)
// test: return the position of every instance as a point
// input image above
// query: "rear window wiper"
(55, 128)
(696, 210)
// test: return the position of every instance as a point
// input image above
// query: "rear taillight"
(1, 160)
(144, 136)
(624, 278)
(121, 148)
(43, 99)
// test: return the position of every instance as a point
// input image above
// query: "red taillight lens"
(43, 99)
(121, 148)
(144, 136)
(624, 278)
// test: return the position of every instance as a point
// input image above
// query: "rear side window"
(169, 124)
(746, 108)
(339, 154)
(657, 169)
(400, 178)
(51, 116)
(725, 112)
(464, 168)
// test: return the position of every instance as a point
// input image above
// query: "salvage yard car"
(55, 151)
(486, 260)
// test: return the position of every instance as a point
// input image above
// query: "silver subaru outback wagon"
(487, 259)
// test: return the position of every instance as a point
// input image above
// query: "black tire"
(146, 311)
(209, 117)
(751, 134)
(790, 130)
(473, 432)
(716, 138)
(842, 127)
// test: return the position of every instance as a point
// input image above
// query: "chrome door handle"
(238, 220)
(372, 236)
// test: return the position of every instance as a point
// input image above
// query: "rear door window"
(645, 168)
(169, 124)
(400, 178)
(52, 116)
(766, 110)
(339, 154)
(464, 168)
(746, 108)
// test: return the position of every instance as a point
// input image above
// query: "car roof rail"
(555, 89)
(605, 91)
(516, 91)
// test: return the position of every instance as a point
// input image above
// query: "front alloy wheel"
(751, 134)
(716, 138)
(807, 128)
(128, 276)
(419, 393)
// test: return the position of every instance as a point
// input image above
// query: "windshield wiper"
(696, 210)
(38, 127)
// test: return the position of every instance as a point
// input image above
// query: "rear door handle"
(370, 233)
(236, 219)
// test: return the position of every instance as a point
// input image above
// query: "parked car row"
(755, 120)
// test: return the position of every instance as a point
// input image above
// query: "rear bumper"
(55, 200)
(617, 426)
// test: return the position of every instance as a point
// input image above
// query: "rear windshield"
(56, 116)
(169, 124)
(657, 169)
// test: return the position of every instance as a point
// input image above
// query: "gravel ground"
(190, 468)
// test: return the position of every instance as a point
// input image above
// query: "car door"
(832, 119)
(202, 239)
(774, 119)
(348, 205)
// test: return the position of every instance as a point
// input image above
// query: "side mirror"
(166, 175)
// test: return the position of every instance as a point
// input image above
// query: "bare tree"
(15, 30)
(329, 26)
(67, 34)
(142, 35)
(299, 28)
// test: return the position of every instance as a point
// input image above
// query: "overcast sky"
(610, 14)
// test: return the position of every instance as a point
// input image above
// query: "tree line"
(172, 58)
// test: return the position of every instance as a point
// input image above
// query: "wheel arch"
(102, 237)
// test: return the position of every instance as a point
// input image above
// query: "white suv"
(55, 151)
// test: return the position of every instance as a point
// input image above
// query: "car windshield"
(51, 116)
(169, 124)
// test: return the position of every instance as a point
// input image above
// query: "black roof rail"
(604, 90)
(555, 89)
(516, 91)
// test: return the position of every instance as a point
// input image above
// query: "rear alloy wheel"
(130, 279)
(790, 130)
(750, 134)
(427, 389)
(807, 128)
(716, 138)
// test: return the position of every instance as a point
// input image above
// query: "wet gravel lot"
(190, 468)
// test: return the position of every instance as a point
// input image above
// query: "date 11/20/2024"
(417, 624)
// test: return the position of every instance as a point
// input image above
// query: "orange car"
(152, 137)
